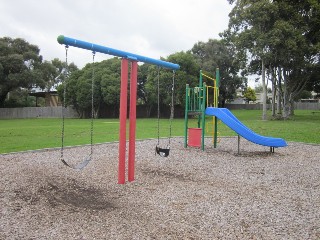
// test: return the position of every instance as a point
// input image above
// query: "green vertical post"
(186, 117)
(194, 104)
(218, 77)
(215, 118)
(203, 109)
(200, 96)
(215, 132)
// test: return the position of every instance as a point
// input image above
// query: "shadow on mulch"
(67, 193)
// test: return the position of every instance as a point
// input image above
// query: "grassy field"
(29, 134)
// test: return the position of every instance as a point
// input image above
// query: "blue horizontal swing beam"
(111, 51)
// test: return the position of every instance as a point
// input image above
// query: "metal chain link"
(85, 162)
(158, 105)
(172, 107)
(64, 105)
(92, 104)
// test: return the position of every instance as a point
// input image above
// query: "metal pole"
(238, 144)
(186, 117)
(203, 115)
(123, 119)
(218, 77)
(215, 131)
(133, 114)
(111, 51)
(216, 97)
(199, 97)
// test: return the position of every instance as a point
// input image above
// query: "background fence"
(142, 111)
(37, 112)
(306, 106)
(258, 106)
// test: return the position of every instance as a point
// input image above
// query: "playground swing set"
(126, 57)
(200, 101)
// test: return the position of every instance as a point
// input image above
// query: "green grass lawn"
(30, 134)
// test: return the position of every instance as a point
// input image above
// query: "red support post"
(123, 119)
(132, 127)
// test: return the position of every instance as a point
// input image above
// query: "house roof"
(43, 94)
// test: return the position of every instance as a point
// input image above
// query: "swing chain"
(92, 103)
(88, 159)
(158, 105)
(164, 152)
(172, 106)
(64, 105)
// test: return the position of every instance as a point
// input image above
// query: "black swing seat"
(163, 152)
(79, 166)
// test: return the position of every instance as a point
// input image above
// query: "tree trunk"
(82, 114)
(291, 110)
(149, 109)
(223, 103)
(96, 112)
(264, 91)
(286, 97)
(2, 99)
(274, 88)
(279, 98)
(3, 96)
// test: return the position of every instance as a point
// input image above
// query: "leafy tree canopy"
(278, 36)
(218, 54)
(106, 77)
(188, 73)
(249, 95)
(19, 66)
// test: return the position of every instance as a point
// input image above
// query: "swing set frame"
(126, 58)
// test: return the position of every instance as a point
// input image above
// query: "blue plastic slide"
(234, 123)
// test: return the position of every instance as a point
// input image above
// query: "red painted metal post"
(123, 119)
(133, 115)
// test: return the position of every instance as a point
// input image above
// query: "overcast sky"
(144, 27)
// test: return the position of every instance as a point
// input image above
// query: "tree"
(187, 73)
(250, 95)
(218, 54)
(309, 15)
(304, 95)
(283, 36)
(106, 87)
(52, 73)
(19, 66)
(249, 23)
(142, 79)
(109, 72)
(314, 83)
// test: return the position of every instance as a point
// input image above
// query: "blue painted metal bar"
(131, 56)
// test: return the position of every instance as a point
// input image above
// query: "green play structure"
(197, 100)
(202, 101)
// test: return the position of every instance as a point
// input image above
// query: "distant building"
(51, 98)
(310, 100)
(239, 99)
(259, 97)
